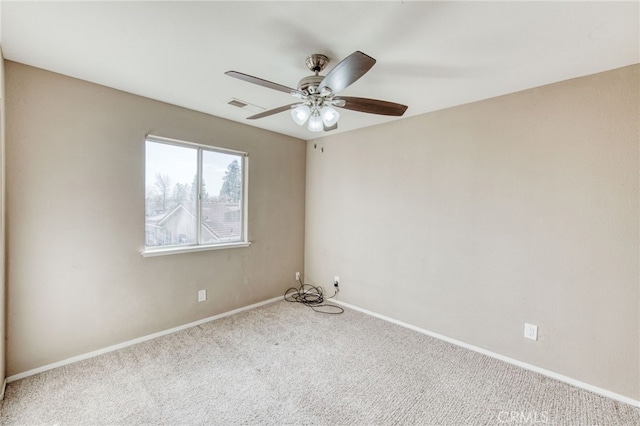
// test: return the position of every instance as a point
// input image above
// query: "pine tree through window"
(194, 195)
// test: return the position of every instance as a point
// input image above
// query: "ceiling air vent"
(237, 103)
(245, 105)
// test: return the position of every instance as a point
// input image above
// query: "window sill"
(190, 249)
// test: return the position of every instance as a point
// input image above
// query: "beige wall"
(75, 218)
(2, 234)
(473, 220)
(467, 222)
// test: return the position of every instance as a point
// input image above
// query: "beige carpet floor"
(285, 364)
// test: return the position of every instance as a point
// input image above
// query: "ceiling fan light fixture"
(300, 114)
(329, 116)
(325, 91)
(315, 123)
(318, 93)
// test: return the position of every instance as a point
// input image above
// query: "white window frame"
(244, 242)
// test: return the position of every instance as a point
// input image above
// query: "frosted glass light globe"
(315, 123)
(300, 114)
(329, 116)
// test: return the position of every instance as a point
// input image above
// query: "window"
(195, 197)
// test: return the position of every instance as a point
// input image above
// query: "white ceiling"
(431, 55)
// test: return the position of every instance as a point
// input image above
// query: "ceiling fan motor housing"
(316, 63)
(310, 84)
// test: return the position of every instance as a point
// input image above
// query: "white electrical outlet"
(336, 281)
(202, 295)
(530, 331)
(297, 276)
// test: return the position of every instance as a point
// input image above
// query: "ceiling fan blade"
(347, 71)
(265, 83)
(372, 106)
(272, 111)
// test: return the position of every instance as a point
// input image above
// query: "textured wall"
(75, 176)
(473, 220)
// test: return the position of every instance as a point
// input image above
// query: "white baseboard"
(553, 375)
(4, 387)
(112, 348)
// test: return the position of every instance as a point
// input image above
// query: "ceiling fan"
(318, 94)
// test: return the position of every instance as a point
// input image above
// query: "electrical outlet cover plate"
(202, 295)
(530, 331)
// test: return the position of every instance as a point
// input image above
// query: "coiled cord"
(313, 297)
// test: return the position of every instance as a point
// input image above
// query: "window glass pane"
(171, 180)
(222, 197)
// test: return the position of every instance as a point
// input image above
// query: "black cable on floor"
(313, 297)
